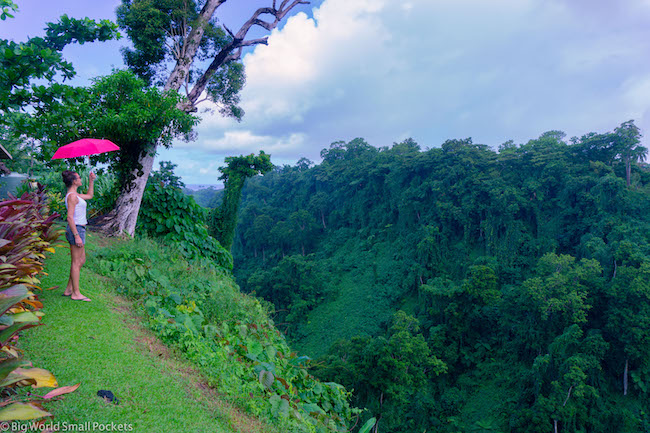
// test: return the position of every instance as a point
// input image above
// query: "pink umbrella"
(85, 147)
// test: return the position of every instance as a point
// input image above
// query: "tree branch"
(232, 57)
(191, 44)
(207, 98)
(279, 14)
(227, 54)
(567, 396)
(232, 35)
(263, 41)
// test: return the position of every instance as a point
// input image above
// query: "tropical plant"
(41, 58)
(26, 233)
(169, 214)
(223, 219)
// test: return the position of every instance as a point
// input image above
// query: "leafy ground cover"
(103, 345)
(196, 307)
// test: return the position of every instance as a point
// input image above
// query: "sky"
(385, 71)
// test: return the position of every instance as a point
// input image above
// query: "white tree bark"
(627, 361)
(188, 49)
(124, 217)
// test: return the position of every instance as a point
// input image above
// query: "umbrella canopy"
(85, 147)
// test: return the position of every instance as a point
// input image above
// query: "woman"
(75, 203)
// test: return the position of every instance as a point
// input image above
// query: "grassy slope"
(358, 309)
(102, 345)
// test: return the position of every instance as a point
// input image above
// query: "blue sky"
(426, 69)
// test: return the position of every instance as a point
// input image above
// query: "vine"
(223, 219)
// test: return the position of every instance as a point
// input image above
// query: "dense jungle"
(463, 288)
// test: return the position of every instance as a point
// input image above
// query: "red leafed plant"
(26, 233)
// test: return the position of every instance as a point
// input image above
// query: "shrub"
(169, 214)
(26, 233)
(228, 334)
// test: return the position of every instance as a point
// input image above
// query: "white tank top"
(79, 215)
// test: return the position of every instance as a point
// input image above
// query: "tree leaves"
(40, 57)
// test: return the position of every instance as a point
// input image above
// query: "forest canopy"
(462, 288)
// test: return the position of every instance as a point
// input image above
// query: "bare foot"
(82, 298)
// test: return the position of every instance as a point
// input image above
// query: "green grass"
(103, 345)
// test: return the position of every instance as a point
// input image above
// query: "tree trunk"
(322, 218)
(123, 218)
(627, 361)
(181, 70)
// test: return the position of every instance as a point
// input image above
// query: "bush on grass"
(169, 214)
(197, 307)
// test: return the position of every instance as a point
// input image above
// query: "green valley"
(461, 288)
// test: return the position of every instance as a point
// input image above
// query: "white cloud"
(433, 70)
(244, 141)
(304, 62)
(440, 69)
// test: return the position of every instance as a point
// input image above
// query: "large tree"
(122, 108)
(23, 64)
(173, 41)
(628, 146)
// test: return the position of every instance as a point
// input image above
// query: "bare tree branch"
(241, 34)
(173, 48)
(207, 98)
(229, 53)
(232, 35)
(263, 41)
(226, 54)
(279, 14)
(232, 57)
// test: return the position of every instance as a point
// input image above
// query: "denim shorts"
(70, 237)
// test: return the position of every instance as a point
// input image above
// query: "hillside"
(210, 360)
(461, 288)
(104, 344)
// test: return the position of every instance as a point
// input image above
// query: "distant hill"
(200, 186)
(205, 195)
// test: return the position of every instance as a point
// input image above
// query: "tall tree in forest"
(628, 147)
(224, 218)
(182, 33)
